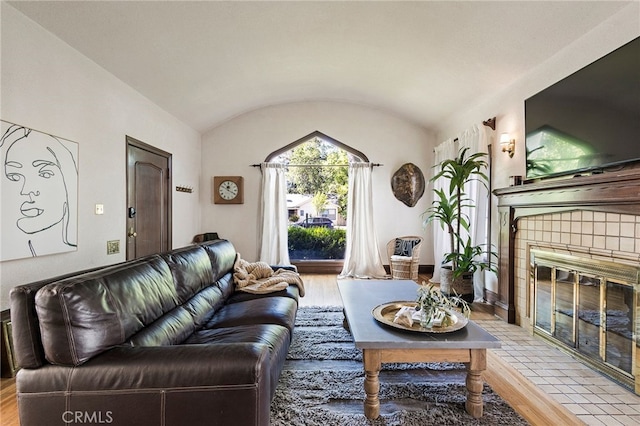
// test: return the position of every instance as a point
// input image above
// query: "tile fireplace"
(569, 266)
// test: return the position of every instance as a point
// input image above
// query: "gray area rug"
(323, 384)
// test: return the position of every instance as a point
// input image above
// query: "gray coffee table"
(384, 344)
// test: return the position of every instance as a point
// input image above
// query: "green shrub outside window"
(316, 243)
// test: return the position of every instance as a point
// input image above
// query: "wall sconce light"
(508, 145)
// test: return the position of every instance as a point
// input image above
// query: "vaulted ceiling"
(206, 62)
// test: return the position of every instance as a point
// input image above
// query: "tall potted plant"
(464, 258)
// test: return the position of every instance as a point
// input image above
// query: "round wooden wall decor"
(408, 184)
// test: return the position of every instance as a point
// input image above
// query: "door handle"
(132, 233)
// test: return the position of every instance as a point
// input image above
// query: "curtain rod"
(489, 122)
(319, 165)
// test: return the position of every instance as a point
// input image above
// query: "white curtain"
(362, 257)
(445, 151)
(273, 229)
(476, 140)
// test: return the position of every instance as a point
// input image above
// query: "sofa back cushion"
(25, 327)
(191, 270)
(199, 297)
(85, 315)
(171, 328)
(222, 255)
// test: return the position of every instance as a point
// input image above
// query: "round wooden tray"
(386, 312)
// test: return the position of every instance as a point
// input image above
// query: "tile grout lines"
(593, 398)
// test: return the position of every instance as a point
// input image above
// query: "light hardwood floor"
(528, 400)
(8, 404)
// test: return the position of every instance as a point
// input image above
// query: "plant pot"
(462, 285)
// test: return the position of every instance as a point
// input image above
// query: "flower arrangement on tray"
(436, 309)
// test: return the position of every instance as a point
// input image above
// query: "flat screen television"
(588, 122)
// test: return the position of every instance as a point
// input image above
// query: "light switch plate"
(99, 208)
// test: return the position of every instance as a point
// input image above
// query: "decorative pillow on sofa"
(404, 247)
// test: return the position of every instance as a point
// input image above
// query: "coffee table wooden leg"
(372, 365)
(474, 382)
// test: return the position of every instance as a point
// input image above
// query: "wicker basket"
(401, 268)
(404, 267)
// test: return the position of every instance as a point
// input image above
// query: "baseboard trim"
(318, 266)
(335, 267)
(426, 269)
(490, 297)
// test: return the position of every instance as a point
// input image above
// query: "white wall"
(231, 148)
(508, 105)
(48, 86)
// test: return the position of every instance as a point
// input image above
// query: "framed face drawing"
(38, 193)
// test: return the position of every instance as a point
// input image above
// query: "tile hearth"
(593, 398)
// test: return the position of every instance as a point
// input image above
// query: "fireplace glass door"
(543, 297)
(619, 326)
(564, 311)
(589, 307)
(589, 316)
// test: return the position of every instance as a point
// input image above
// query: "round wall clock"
(228, 190)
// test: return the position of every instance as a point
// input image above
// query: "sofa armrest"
(160, 367)
(176, 366)
(148, 386)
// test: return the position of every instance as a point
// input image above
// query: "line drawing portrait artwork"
(38, 193)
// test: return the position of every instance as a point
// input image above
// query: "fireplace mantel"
(614, 192)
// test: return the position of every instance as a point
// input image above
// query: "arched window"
(355, 155)
(322, 176)
(317, 188)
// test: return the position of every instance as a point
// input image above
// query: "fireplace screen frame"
(561, 280)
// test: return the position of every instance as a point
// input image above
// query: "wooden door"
(148, 200)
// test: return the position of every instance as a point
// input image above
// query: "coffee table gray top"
(360, 297)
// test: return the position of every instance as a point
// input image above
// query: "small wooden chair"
(404, 257)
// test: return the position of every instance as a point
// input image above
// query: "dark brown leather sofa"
(163, 340)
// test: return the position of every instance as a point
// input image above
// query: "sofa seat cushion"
(291, 291)
(275, 337)
(270, 334)
(266, 310)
